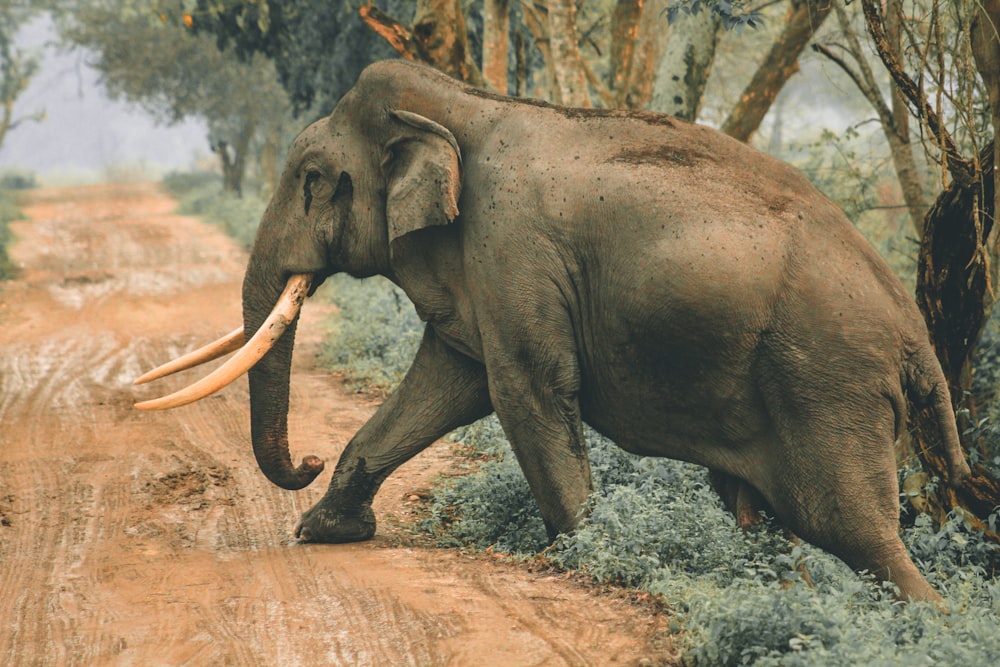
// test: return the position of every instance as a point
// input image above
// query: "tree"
(16, 70)
(686, 62)
(318, 47)
(147, 55)
(803, 19)
(852, 57)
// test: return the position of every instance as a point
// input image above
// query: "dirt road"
(132, 538)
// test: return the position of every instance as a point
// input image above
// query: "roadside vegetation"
(201, 194)
(10, 183)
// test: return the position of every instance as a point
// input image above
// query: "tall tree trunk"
(951, 291)
(650, 43)
(440, 27)
(985, 39)
(895, 119)
(625, 22)
(911, 177)
(803, 19)
(685, 64)
(496, 26)
(570, 86)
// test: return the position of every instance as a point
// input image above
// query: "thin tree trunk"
(650, 43)
(911, 177)
(440, 27)
(894, 120)
(536, 21)
(496, 26)
(570, 86)
(685, 64)
(625, 22)
(803, 19)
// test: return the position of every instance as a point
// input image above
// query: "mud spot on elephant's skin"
(660, 156)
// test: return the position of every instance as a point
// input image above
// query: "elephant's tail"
(927, 387)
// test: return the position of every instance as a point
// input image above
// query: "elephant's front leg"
(442, 390)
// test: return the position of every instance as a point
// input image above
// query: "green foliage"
(832, 164)
(656, 524)
(318, 47)
(147, 55)
(376, 332)
(16, 67)
(16, 179)
(201, 194)
(9, 212)
(734, 15)
(492, 507)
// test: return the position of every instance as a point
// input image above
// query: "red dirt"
(134, 538)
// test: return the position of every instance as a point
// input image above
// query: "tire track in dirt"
(152, 538)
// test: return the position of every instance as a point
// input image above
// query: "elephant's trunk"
(269, 385)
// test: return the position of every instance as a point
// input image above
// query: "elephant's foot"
(323, 524)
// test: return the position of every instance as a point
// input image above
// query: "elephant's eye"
(311, 178)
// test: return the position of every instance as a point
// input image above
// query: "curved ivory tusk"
(231, 342)
(283, 313)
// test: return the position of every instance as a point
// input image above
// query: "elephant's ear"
(423, 164)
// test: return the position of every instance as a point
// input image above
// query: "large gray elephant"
(682, 293)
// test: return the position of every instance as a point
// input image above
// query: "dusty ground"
(133, 538)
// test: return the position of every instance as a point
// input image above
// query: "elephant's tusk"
(284, 313)
(231, 342)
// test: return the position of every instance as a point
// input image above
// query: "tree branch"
(398, 35)
(960, 168)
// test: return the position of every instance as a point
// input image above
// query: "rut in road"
(151, 538)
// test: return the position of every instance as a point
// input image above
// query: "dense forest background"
(889, 106)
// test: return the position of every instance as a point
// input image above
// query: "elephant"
(682, 293)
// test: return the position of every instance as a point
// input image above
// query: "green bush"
(656, 524)
(201, 194)
(376, 332)
(16, 179)
(9, 212)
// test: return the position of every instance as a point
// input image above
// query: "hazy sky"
(85, 134)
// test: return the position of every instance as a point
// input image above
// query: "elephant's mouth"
(248, 353)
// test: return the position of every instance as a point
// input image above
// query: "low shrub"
(201, 194)
(655, 524)
(376, 332)
(17, 179)
(9, 211)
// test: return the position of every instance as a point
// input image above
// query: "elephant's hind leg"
(837, 489)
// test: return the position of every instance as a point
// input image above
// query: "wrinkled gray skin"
(684, 294)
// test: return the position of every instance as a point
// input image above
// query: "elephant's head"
(354, 183)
